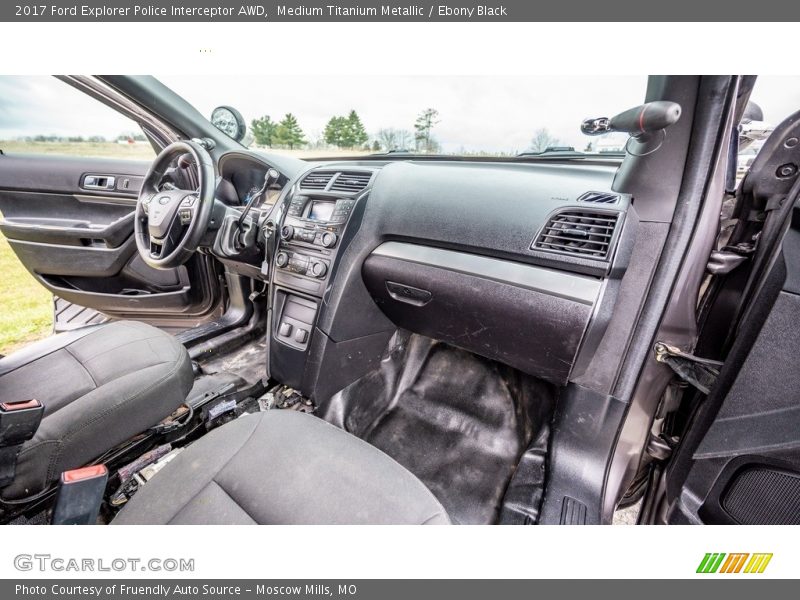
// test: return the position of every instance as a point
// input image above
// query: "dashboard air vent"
(579, 232)
(599, 198)
(351, 182)
(316, 181)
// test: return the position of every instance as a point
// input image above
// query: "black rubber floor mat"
(68, 316)
(457, 421)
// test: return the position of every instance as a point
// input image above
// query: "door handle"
(99, 182)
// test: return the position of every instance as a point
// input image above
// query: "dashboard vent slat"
(351, 182)
(600, 229)
(578, 232)
(599, 198)
(317, 180)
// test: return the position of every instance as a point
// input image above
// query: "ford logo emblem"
(163, 200)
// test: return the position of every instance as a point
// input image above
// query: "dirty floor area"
(457, 421)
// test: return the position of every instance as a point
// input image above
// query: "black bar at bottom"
(732, 588)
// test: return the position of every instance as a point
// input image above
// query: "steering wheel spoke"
(145, 201)
(170, 241)
(187, 208)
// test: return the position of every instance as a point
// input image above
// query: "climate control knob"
(318, 269)
(329, 239)
(282, 259)
(287, 232)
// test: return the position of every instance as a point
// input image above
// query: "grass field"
(26, 312)
(88, 149)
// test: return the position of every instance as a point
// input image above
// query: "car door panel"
(740, 461)
(65, 220)
(70, 222)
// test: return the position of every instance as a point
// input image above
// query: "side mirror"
(752, 112)
(230, 122)
(752, 127)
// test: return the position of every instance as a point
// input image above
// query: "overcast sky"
(494, 114)
(476, 113)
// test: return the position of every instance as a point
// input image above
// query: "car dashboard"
(511, 261)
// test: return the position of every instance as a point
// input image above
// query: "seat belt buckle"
(79, 496)
(19, 421)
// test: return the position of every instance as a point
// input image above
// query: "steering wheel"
(169, 224)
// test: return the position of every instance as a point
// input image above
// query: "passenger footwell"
(459, 422)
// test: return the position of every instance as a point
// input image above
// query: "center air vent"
(351, 182)
(317, 180)
(579, 232)
(599, 198)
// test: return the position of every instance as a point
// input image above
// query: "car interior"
(245, 337)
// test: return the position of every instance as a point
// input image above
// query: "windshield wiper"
(392, 151)
(569, 154)
(558, 153)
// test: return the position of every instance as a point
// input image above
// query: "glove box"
(528, 317)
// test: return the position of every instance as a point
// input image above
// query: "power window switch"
(285, 330)
(300, 336)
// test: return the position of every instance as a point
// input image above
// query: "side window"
(43, 115)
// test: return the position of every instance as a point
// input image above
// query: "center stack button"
(319, 269)
(329, 239)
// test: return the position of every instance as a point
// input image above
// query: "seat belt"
(18, 423)
(80, 495)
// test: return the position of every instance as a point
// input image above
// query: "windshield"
(312, 116)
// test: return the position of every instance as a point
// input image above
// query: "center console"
(309, 240)
(311, 235)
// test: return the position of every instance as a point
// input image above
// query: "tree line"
(348, 132)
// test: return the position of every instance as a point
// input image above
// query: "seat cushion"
(99, 386)
(282, 467)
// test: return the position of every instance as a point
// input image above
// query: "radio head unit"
(320, 210)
